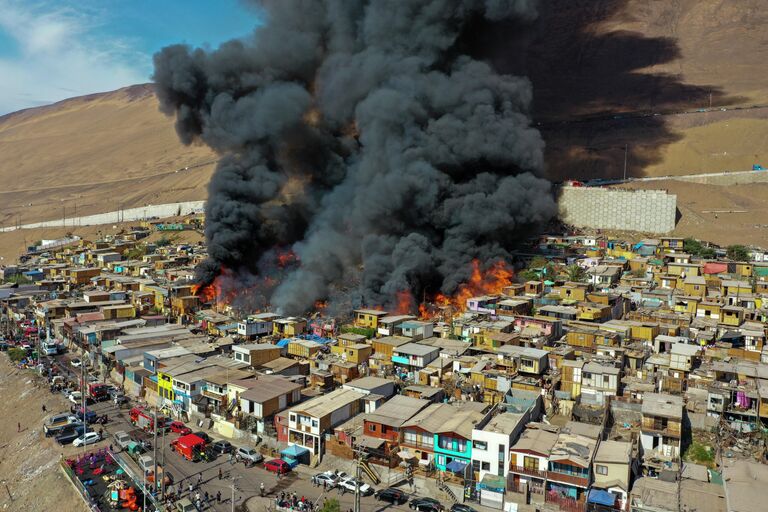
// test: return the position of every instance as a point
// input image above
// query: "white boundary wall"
(648, 211)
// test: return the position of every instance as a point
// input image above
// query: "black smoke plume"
(357, 135)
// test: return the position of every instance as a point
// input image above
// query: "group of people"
(292, 502)
(194, 494)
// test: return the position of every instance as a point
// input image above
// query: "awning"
(601, 497)
(370, 442)
(456, 466)
(294, 451)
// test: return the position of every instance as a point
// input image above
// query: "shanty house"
(661, 431)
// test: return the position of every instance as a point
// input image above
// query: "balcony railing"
(565, 478)
(522, 470)
(419, 445)
(662, 431)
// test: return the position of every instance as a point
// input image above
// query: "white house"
(492, 442)
(598, 382)
(257, 325)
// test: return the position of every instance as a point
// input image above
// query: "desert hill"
(94, 154)
(678, 83)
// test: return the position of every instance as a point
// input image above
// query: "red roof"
(190, 440)
(715, 268)
(89, 317)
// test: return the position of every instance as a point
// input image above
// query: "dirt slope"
(92, 153)
(29, 465)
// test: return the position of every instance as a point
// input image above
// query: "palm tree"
(576, 273)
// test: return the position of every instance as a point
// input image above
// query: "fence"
(78, 485)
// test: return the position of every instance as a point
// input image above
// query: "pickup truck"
(57, 423)
(122, 439)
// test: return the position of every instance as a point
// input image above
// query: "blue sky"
(55, 49)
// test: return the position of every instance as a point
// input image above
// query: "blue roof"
(294, 451)
(601, 497)
(284, 342)
(456, 466)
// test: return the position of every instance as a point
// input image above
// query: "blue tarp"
(294, 451)
(601, 497)
(456, 466)
(284, 342)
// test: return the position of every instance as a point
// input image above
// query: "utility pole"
(358, 476)
(626, 149)
(154, 448)
(233, 492)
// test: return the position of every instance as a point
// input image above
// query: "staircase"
(447, 490)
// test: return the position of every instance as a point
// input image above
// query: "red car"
(277, 466)
(180, 428)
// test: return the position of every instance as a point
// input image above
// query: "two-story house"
(529, 458)
(310, 421)
(612, 469)
(569, 472)
(661, 430)
(412, 357)
(272, 395)
(599, 381)
(386, 422)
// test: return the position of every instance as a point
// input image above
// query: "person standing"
(220, 474)
(18, 427)
(218, 496)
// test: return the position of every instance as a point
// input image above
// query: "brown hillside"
(604, 58)
(93, 153)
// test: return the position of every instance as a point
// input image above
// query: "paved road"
(247, 480)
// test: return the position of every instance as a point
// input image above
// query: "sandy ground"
(29, 464)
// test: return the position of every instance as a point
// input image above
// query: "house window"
(314, 423)
(193, 387)
(372, 427)
(531, 463)
(486, 466)
(479, 445)
(606, 380)
(293, 417)
(601, 470)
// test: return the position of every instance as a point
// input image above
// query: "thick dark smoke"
(357, 135)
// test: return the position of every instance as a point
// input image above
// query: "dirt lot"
(29, 464)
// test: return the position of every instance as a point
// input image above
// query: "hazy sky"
(55, 49)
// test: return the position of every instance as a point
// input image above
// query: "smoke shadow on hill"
(597, 99)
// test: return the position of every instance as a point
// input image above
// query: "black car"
(426, 505)
(221, 447)
(460, 507)
(391, 495)
(70, 435)
(205, 437)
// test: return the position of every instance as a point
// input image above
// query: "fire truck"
(144, 419)
(189, 446)
(99, 392)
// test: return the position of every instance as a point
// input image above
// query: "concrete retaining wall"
(649, 211)
(124, 215)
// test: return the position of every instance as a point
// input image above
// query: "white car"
(88, 438)
(76, 363)
(349, 485)
(75, 397)
(328, 478)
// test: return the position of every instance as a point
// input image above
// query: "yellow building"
(289, 327)
(591, 312)
(735, 288)
(120, 311)
(695, 286)
(368, 318)
(573, 291)
(356, 353)
(165, 386)
(732, 315)
(644, 331)
(708, 309)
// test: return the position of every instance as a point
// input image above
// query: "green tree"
(737, 253)
(331, 505)
(696, 248)
(17, 354)
(576, 273)
(136, 253)
(538, 262)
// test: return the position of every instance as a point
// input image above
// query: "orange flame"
(405, 303)
(286, 258)
(491, 282)
(214, 291)
(320, 306)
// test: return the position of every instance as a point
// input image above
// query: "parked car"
(179, 428)
(76, 363)
(68, 435)
(185, 505)
(89, 416)
(328, 478)
(87, 438)
(277, 466)
(222, 447)
(426, 505)
(460, 507)
(205, 437)
(391, 495)
(122, 439)
(248, 455)
(75, 397)
(350, 484)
